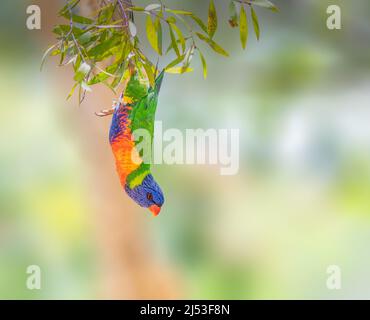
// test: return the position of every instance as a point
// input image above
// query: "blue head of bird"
(148, 194)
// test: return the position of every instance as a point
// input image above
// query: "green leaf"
(138, 9)
(69, 6)
(151, 33)
(105, 14)
(204, 64)
(76, 18)
(212, 19)
(118, 76)
(180, 12)
(124, 51)
(149, 72)
(180, 36)
(175, 62)
(179, 70)
(200, 23)
(87, 38)
(233, 21)
(171, 20)
(256, 25)
(178, 41)
(62, 52)
(173, 41)
(158, 27)
(243, 27)
(72, 90)
(80, 96)
(63, 30)
(101, 76)
(70, 60)
(77, 63)
(106, 48)
(47, 52)
(266, 4)
(216, 47)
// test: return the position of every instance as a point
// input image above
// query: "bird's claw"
(104, 113)
(115, 104)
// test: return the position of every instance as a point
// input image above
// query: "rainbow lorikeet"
(136, 111)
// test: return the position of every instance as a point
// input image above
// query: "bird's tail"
(158, 82)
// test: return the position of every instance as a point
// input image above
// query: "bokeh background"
(300, 202)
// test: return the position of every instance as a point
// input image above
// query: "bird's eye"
(149, 196)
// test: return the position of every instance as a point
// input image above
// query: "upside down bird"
(136, 111)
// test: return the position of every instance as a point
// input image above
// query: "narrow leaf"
(171, 20)
(72, 90)
(158, 27)
(149, 72)
(256, 24)
(204, 64)
(138, 9)
(68, 7)
(243, 27)
(200, 23)
(175, 62)
(180, 36)
(77, 18)
(118, 76)
(179, 70)
(173, 40)
(180, 12)
(47, 52)
(266, 4)
(213, 44)
(104, 75)
(212, 19)
(151, 33)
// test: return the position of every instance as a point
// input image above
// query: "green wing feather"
(135, 88)
(143, 112)
(142, 116)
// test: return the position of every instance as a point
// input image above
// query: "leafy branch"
(104, 46)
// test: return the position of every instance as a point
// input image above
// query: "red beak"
(155, 209)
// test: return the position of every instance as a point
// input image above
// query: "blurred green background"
(300, 202)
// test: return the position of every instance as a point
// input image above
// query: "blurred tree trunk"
(129, 268)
